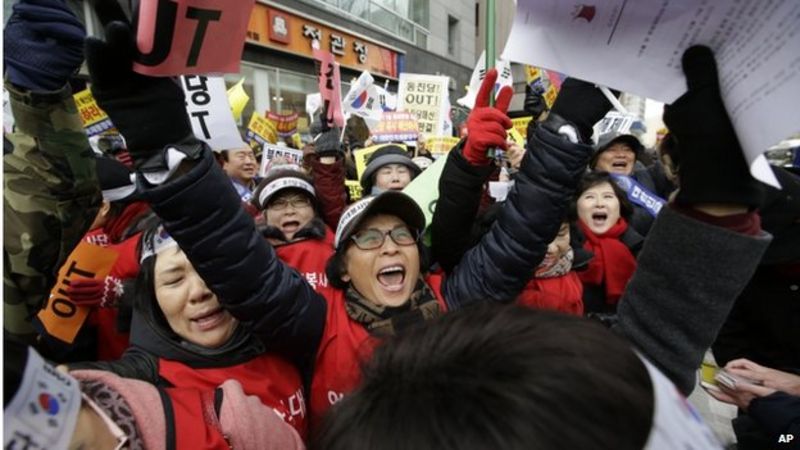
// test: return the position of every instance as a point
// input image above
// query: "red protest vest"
(564, 294)
(345, 344)
(110, 342)
(192, 423)
(275, 381)
(309, 257)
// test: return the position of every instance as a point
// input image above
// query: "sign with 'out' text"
(177, 37)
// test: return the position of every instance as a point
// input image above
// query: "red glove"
(486, 125)
(89, 292)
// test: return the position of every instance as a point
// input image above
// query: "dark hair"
(504, 377)
(144, 289)
(592, 179)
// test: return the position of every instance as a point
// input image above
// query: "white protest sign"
(615, 122)
(427, 97)
(313, 104)
(272, 151)
(637, 47)
(504, 78)
(210, 112)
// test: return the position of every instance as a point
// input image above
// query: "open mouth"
(290, 226)
(621, 165)
(210, 319)
(599, 219)
(392, 277)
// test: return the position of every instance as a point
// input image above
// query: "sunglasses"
(373, 238)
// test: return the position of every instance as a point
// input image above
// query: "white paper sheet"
(636, 46)
(210, 112)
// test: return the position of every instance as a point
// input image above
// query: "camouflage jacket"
(50, 198)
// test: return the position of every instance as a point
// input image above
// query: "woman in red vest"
(603, 211)
(292, 222)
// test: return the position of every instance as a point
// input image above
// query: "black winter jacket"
(671, 313)
(201, 212)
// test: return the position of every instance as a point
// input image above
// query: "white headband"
(156, 243)
(676, 424)
(283, 183)
(44, 410)
(350, 213)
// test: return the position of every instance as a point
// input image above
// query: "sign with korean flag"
(504, 78)
(368, 100)
(210, 112)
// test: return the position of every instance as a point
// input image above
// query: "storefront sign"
(293, 33)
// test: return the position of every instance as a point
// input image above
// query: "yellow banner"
(261, 130)
(354, 188)
(440, 145)
(238, 99)
(94, 119)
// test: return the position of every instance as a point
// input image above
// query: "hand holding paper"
(487, 125)
(711, 167)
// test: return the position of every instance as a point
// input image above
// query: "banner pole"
(490, 53)
(490, 38)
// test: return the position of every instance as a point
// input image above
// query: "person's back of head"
(497, 377)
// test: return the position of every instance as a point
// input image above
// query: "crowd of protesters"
(278, 312)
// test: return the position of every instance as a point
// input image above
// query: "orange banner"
(60, 317)
(293, 33)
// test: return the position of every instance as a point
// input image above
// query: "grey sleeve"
(688, 276)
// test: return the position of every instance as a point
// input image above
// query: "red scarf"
(116, 227)
(613, 263)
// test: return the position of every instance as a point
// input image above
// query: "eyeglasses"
(296, 203)
(372, 238)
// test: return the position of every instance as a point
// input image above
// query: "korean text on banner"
(330, 88)
(479, 73)
(94, 119)
(756, 51)
(270, 152)
(427, 97)
(354, 189)
(285, 124)
(60, 317)
(238, 99)
(424, 189)
(521, 125)
(179, 37)
(396, 126)
(362, 155)
(210, 113)
(440, 145)
(261, 130)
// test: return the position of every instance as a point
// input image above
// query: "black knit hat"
(607, 140)
(388, 154)
(280, 179)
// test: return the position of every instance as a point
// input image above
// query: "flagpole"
(490, 53)
(490, 37)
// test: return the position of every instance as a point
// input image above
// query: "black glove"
(328, 143)
(582, 104)
(711, 166)
(43, 45)
(149, 112)
(534, 102)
